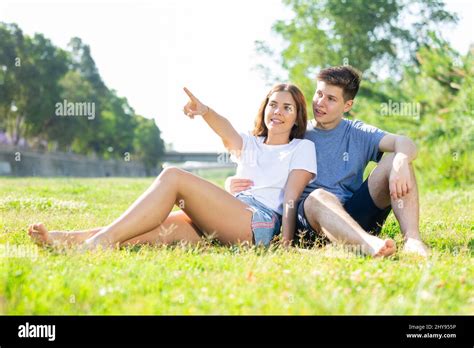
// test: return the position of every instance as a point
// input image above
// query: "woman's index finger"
(190, 95)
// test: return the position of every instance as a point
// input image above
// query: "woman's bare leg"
(213, 210)
(177, 226)
(41, 236)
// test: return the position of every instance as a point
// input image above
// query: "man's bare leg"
(326, 214)
(406, 209)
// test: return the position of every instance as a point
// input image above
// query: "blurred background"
(94, 88)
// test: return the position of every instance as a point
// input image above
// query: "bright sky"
(149, 50)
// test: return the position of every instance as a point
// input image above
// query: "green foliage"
(148, 142)
(442, 86)
(30, 90)
(64, 130)
(35, 76)
(366, 34)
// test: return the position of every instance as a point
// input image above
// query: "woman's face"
(280, 113)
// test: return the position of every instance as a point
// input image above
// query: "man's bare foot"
(39, 234)
(416, 246)
(386, 248)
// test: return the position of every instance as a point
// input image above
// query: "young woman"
(274, 157)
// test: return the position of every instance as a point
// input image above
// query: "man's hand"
(235, 185)
(400, 181)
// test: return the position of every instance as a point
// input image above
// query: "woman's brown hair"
(299, 128)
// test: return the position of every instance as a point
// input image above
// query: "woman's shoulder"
(304, 147)
(248, 137)
(303, 142)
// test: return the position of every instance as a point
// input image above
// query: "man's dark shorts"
(360, 206)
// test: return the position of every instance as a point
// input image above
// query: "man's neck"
(326, 126)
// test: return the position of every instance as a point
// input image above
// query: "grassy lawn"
(218, 280)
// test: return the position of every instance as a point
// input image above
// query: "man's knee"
(384, 166)
(315, 199)
(313, 205)
(380, 175)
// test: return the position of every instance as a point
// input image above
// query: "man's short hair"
(345, 76)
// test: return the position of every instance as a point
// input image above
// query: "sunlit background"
(148, 50)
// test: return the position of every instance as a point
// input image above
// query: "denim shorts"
(265, 222)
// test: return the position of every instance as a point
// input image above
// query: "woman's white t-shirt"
(269, 166)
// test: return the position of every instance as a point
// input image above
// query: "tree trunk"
(16, 135)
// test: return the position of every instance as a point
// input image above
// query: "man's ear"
(348, 105)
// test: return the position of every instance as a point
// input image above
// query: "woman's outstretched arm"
(219, 124)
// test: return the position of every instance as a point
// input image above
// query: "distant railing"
(19, 161)
(173, 156)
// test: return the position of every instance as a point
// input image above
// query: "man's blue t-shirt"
(342, 154)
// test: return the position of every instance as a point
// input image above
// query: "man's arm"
(405, 152)
(399, 144)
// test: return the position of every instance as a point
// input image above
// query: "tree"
(147, 142)
(365, 34)
(12, 45)
(36, 76)
(31, 84)
(83, 62)
(72, 132)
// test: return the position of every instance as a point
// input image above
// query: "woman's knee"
(170, 173)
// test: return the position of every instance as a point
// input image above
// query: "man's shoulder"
(347, 127)
(361, 126)
(312, 131)
(355, 123)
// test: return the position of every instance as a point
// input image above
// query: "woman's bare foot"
(386, 248)
(39, 234)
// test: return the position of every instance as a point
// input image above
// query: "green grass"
(217, 280)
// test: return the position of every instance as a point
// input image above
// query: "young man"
(338, 206)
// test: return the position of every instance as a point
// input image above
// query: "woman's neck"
(277, 139)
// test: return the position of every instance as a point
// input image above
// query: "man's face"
(328, 103)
